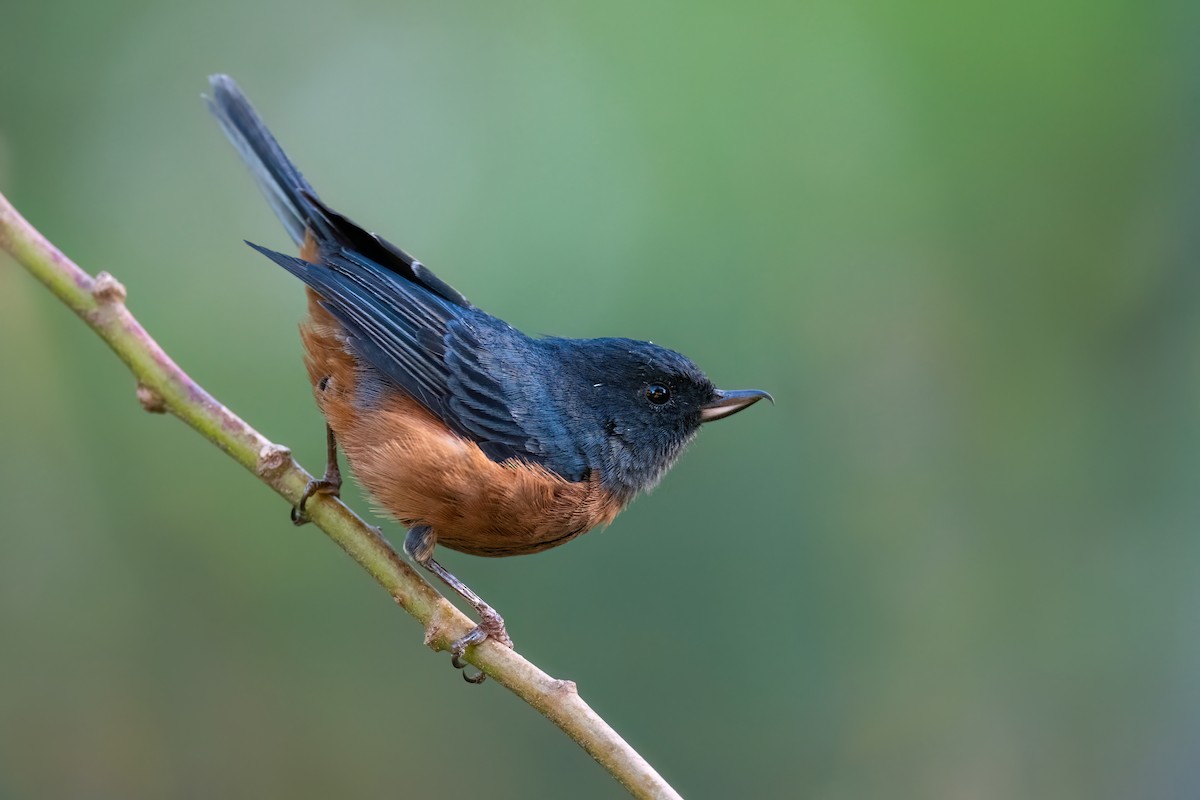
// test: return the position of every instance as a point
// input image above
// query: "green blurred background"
(958, 559)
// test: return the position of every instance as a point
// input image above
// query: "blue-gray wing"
(469, 369)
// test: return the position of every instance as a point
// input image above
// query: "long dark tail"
(277, 177)
(297, 205)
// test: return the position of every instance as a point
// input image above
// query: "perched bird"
(465, 430)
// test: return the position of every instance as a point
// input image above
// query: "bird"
(471, 434)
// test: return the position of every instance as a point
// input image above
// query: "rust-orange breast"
(421, 473)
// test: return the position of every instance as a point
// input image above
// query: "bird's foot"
(330, 485)
(491, 626)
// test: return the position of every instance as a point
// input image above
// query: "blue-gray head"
(635, 405)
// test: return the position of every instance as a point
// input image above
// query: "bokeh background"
(959, 243)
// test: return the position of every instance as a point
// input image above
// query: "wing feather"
(442, 353)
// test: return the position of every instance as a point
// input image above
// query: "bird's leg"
(419, 545)
(330, 484)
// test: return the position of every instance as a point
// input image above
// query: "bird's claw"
(326, 486)
(491, 626)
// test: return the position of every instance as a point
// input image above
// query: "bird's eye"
(658, 394)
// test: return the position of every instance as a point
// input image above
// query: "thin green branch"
(164, 387)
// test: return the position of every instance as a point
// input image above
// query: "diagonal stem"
(164, 387)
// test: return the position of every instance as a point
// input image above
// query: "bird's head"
(642, 404)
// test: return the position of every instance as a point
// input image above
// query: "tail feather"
(297, 205)
(282, 184)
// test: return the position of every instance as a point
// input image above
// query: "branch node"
(272, 460)
(438, 623)
(565, 687)
(107, 289)
(151, 400)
